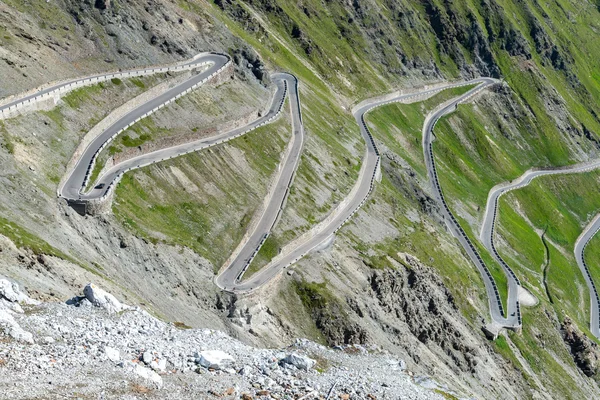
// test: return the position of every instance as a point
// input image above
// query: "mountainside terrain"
(393, 278)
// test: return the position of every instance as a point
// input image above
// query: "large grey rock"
(100, 298)
(299, 361)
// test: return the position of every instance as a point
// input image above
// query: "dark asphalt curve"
(72, 84)
(323, 232)
(580, 245)
(231, 274)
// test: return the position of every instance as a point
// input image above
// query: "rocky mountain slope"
(95, 344)
(393, 277)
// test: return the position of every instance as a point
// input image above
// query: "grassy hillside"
(561, 207)
(565, 204)
(180, 201)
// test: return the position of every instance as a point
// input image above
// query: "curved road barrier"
(580, 245)
(79, 177)
(20, 103)
(233, 272)
(486, 234)
(513, 318)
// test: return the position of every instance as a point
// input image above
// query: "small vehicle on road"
(100, 186)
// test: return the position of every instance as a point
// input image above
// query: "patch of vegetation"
(445, 395)
(22, 238)
(117, 81)
(138, 82)
(181, 325)
(267, 252)
(112, 150)
(7, 140)
(314, 295)
(134, 142)
(398, 126)
(98, 166)
(153, 202)
(77, 97)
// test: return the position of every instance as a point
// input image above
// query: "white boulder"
(143, 372)
(147, 357)
(299, 361)
(100, 298)
(215, 359)
(10, 291)
(12, 328)
(112, 354)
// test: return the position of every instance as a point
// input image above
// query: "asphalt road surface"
(74, 184)
(231, 274)
(486, 234)
(513, 315)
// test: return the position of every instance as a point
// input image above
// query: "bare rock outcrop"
(417, 297)
(123, 355)
(585, 352)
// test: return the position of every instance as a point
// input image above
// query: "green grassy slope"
(560, 206)
(204, 200)
(415, 236)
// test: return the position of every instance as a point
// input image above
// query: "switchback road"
(513, 317)
(323, 232)
(230, 277)
(78, 178)
(486, 234)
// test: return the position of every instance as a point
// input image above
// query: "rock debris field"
(94, 347)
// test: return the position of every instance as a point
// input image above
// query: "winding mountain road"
(324, 231)
(72, 188)
(513, 317)
(486, 234)
(232, 273)
(230, 277)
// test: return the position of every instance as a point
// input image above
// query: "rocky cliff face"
(410, 309)
(584, 351)
(415, 296)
